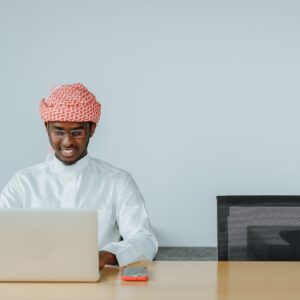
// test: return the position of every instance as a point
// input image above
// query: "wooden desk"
(176, 280)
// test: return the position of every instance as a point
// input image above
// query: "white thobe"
(93, 184)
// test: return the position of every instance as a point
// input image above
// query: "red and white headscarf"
(70, 103)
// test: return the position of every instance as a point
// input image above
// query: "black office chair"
(258, 228)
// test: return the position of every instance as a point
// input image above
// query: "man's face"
(70, 140)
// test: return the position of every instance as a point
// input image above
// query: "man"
(70, 178)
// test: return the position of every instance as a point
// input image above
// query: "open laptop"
(48, 245)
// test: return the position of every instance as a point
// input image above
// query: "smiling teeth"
(68, 152)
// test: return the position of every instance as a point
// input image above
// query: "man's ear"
(46, 125)
(93, 128)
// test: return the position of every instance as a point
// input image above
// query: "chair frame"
(223, 208)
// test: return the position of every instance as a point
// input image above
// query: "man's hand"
(106, 258)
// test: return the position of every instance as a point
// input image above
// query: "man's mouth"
(68, 152)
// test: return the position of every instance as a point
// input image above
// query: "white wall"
(199, 97)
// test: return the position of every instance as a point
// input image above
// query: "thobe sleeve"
(11, 195)
(138, 242)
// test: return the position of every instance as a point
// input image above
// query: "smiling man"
(70, 178)
(69, 140)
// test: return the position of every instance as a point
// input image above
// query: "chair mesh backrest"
(258, 227)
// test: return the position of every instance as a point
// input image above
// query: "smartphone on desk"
(134, 274)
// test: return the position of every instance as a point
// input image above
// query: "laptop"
(48, 245)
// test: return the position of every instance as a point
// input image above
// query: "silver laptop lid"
(48, 245)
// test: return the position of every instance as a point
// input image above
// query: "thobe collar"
(58, 167)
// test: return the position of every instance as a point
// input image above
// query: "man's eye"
(77, 133)
(59, 133)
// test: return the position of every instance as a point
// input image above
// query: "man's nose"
(67, 140)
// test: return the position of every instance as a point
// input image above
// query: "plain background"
(200, 98)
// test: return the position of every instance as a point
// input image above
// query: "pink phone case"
(134, 274)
